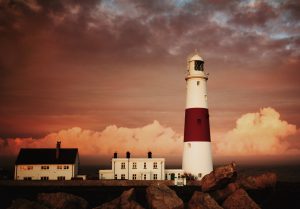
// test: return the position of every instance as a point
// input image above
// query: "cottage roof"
(46, 156)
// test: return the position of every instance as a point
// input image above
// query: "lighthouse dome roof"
(195, 57)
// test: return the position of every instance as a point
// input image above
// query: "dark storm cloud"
(258, 14)
(83, 63)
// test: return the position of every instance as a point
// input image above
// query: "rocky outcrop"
(263, 181)
(125, 201)
(219, 178)
(221, 194)
(202, 200)
(62, 200)
(159, 196)
(26, 204)
(239, 200)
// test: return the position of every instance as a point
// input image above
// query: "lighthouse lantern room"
(197, 159)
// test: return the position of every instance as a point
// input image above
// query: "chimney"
(115, 155)
(149, 154)
(57, 149)
(128, 155)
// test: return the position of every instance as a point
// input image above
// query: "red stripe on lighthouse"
(196, 127)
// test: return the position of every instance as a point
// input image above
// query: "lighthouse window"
(199, 65)
(198, 82)
(199, 120)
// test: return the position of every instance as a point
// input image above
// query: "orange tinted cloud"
(162, 141)
(256, 134)
(259, 133)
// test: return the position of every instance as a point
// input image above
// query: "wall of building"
(172, 174)
(36, 172)
(135, 169)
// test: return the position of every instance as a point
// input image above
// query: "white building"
(139, 169)
(47, 164)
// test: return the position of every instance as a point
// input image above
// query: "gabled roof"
(46, 156)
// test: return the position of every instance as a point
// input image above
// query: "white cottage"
(138, 169)
(47, 164)
(135, 168)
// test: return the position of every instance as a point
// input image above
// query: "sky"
(108, 76)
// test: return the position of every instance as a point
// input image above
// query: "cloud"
(260, 133)
(162, 141)
(59, 61)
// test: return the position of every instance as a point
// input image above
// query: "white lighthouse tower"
(197, 159)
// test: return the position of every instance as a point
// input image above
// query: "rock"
(262, 181)
(222, 194)
(26, 204)
(202, 200)
(239, 199)
(125, 201)
(62, 200)
(219, 177)
(159, 196)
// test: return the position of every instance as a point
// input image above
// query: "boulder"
(62, 200)
(26, 204)
(262, 181)
(222, 194)
(202, 200)
(125, 201)
(219, 177)
(159, 196)
(239, 199)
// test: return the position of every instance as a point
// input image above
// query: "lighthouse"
(197, 158)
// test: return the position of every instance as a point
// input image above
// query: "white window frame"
(123, 165)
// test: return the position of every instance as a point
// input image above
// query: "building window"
(122, 176)
(59, 167)
(133, 176)
(198, 82)
(61, 178)
(178, 175)
(27, 178)
(155, 176)
(44, 178)
(145, 165)
(45, 167)
(199, 175)
(66, 167)
(145, 177)
(122, 165)
(155, 165)
(29, 167)
(133, 165)
(166, 176)
(116, 176)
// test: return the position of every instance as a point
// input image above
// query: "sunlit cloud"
(259, 133)
(161, 140)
